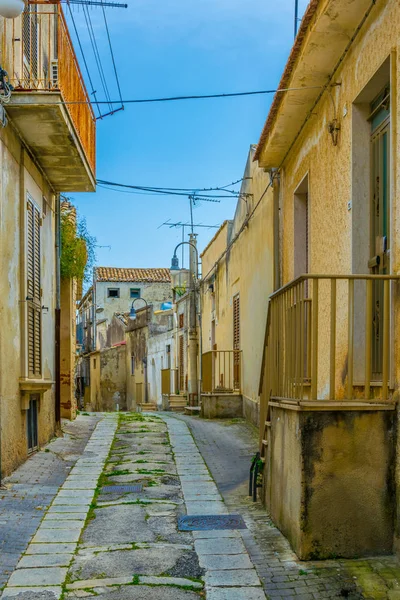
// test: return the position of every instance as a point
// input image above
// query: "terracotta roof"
(285, 80)
(134, 275)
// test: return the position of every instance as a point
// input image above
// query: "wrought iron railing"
(38, 55)
(221, 371)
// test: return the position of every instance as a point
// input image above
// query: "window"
(135, 292)
(34, 291)
(94, 363)
(181, 320)
(112, 292)
(30, 46)
(132, 364)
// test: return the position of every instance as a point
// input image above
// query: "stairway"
(147, 407)
(177, 403)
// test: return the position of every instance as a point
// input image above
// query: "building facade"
(238, 277)
(330, 375)
(34, 169)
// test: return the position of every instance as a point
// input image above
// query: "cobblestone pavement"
(227, 447)
(32, 487)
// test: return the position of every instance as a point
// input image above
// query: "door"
(32, 423)
(379, 263)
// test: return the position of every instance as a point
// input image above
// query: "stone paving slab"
(55, 540)
(28, 593)
(46, 576)
(31, 488)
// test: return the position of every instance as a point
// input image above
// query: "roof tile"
(133, 275)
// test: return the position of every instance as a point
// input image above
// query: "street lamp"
(175, 259)
(10, 9)
(132, 313)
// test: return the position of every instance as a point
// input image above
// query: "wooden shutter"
(236, 322)
(34, 311)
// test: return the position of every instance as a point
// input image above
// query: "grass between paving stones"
(116, 473)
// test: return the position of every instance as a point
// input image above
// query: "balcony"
(50, 106)
(222, 371)
(328, 340)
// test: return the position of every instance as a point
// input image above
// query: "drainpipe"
(58, 314)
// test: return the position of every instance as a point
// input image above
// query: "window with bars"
(181, 320)
(34, 291)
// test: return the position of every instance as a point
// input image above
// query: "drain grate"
(108, 489)
(208, 522)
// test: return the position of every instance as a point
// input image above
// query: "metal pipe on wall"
(58, 313)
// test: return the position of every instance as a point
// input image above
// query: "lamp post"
(132, 312)
(194, 382)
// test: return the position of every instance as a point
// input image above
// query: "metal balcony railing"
(328, 339)
(221, 371)
(38, 55)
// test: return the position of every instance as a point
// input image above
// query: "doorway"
(32, 423)
(379, 217)
(301, 229)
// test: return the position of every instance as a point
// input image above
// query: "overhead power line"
(204, 194)
(194, 97)
(112, 56)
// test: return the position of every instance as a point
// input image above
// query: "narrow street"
(113, 531)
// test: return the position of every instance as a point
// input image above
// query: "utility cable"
(84, 60)
(173, 189)
(97, 56)
(112, 55)
(198, 97)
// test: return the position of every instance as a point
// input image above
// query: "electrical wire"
(97, 56)
(198, 97)
(205, 198)
(242, 228)
(112, 55)
(173, 189)
(84, 60)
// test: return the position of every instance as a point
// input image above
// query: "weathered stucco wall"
(248, 270)
(339, 232)
(153, 293)
(68, 348)
(18, 176)
(113, 378)
(332, 484)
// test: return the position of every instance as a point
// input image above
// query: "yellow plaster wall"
(246, 269)
(332, 184)
(19, 175)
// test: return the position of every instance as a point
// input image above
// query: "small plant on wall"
(77, 247)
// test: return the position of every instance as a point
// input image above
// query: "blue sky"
(178, 47)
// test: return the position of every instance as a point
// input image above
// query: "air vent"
(54, 73)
